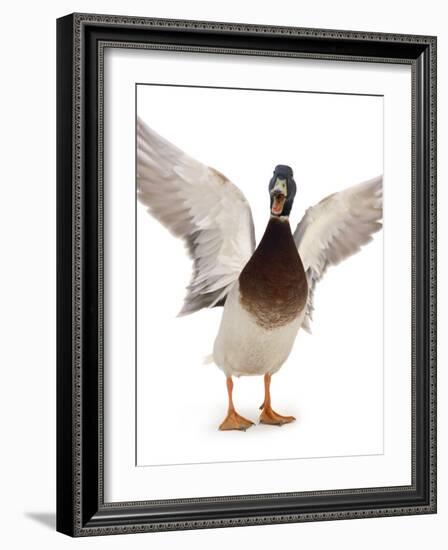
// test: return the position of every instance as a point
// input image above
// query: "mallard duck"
(266, 291)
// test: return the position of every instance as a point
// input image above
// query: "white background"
(329, 382)
(28, 274)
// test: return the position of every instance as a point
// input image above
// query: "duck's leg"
(268, 415)
(233, 420)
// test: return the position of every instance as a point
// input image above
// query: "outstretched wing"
(202, 206)
(336, 228)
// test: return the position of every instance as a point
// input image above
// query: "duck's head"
(282, 190)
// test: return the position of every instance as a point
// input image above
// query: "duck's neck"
(277, 242)
(277, 230)
(280, 218)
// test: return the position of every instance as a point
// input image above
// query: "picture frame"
(81, 506)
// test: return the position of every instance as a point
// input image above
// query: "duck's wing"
(335, 228)
(202, 206)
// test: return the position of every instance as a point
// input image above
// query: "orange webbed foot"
(234, 421)
(269, 416)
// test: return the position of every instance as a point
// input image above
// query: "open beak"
(278, 202)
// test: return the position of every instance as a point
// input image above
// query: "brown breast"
(273, 284)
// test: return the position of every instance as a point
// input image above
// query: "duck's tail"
(208, 359)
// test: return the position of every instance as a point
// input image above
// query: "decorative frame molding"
(81, 39)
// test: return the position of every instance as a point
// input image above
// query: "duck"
(266, 290)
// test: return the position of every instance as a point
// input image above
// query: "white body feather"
(244, 348)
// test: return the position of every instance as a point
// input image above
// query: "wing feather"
(200, 205)
(337, 227)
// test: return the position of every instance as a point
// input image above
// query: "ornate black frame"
(81, 38)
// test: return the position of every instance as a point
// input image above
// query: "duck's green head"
(282, 190)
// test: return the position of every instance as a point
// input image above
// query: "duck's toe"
(269, 416)
(234, 421)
